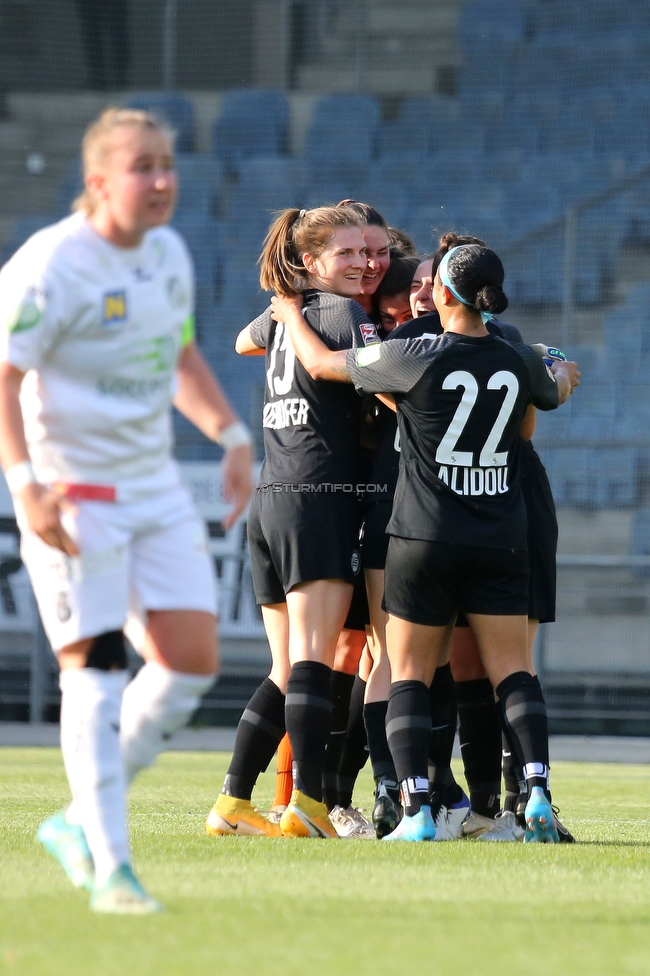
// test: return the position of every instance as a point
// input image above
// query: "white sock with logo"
(90, 715)
(157, 703)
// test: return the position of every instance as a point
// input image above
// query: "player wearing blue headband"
(479, 725)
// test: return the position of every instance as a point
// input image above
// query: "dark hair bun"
(447, 241)
(491, 298)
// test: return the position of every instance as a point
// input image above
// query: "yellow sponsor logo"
(114, 307)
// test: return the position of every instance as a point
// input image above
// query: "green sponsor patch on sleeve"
(26, 316)
(189, 331)
(369, 354)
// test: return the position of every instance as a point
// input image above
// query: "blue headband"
(446, 280)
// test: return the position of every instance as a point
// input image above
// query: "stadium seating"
(640, 539)
(23, 229)
(553, 108)
(342, 135)
(251, 123)
(174, 109)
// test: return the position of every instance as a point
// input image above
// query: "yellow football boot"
(305, 817)
(238, 818)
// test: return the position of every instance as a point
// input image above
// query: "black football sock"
(408, 728)
(355, 748)
(442, 704)
(383, 767)
(341, 690)
(259, 732)
(526, 724)
(512, 775)
(308, 714)
(479, 729)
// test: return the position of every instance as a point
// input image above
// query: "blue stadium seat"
(205, 240)
(200, 179)
(268, 183)
(321, 191)
(241, 293)
(566, 135)
(588, 358)
(568, 473)
(531, 269)
(517, 132)
(244, 234)
(251, 123)
(456, 136)
(640, 539)
(196, 197)
(271, 171)
(174, 109)
(388, 198)
(70, 188)
(553, 425)
(489, 21)
(412, 130)
(200, 166)
(614, 474)
(342, 135)
(22, 230)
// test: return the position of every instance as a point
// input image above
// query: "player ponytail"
(491, 298)
(96, 144)
(474, 275)
(292, 234)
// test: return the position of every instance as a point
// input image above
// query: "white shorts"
(134, 557)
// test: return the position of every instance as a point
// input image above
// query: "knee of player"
(107, 652)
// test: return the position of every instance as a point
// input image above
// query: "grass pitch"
(257, 907)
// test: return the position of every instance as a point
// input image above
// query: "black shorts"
(374, 541)
(428, 582)
(358, 617)
(300, 537)
(542, 545)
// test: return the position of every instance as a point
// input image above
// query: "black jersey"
(384, 466)
(310, 426)
(386, 460)
(461, 402)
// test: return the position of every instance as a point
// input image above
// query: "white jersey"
(98, 329)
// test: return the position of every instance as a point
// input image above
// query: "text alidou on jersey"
(475, 481)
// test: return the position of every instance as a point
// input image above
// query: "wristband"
(236, 435)
(18, 476)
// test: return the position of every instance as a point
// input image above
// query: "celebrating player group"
(402, 534)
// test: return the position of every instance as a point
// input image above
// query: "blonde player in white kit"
(96, 340)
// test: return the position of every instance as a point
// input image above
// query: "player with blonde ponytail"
(96, 342)
(303, 523)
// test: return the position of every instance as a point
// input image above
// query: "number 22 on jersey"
(474, 480)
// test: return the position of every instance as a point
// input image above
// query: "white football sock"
(90, 715)
(156, 704)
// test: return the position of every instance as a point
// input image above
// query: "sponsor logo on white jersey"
(113, 307)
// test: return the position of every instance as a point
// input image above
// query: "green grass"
(254, 906)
